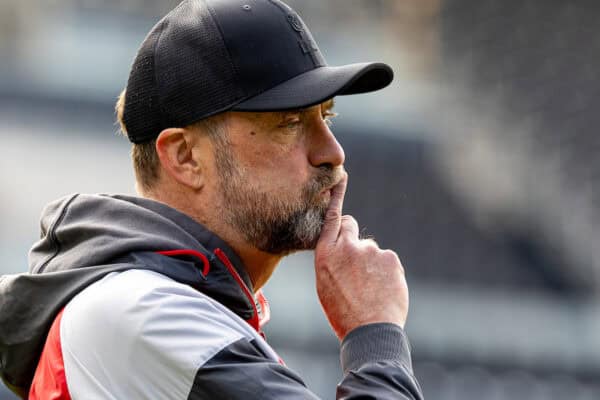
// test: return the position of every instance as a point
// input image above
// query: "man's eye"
(291, 124)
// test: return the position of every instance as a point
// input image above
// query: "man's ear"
(174, 147)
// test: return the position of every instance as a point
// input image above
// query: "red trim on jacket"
(264, 313)
(186, 252)
(254, 321)
(50, 381)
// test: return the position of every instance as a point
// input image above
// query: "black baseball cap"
(210, 56)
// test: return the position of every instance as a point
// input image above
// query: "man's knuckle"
(332, 215)
(390, 255)
(370, 245)
(349, 223)
(370, 242)
(370, 249)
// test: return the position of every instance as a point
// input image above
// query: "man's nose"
(325, 149)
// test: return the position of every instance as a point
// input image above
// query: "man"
(158, 297)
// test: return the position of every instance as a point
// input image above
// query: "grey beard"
(271, 226)
(300, 231)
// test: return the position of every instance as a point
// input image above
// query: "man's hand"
(357, 282)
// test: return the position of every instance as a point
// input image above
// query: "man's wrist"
(375, 342)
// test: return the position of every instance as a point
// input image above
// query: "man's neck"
(258, 264)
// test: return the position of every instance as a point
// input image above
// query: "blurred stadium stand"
(477, 165)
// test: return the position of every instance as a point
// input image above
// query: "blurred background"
(478, 166)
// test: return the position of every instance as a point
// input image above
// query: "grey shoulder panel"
(150, 334)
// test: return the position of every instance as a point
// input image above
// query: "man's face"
(275, 172)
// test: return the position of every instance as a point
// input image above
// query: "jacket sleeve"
(375, 358)
(377, 365)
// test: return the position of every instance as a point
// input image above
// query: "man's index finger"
(333, 217)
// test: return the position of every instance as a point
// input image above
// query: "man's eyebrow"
(328, 105)
(325, 106)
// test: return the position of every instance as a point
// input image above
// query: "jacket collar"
(219, 271)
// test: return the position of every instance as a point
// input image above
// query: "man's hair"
(146, 163)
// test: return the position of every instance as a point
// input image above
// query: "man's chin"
(285, 248)
(300, 232)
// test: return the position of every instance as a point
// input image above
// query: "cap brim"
(320, 84)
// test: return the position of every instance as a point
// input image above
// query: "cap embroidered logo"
(306, 43)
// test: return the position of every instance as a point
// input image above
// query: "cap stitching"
(156, 82)
(229, 57)
(282, 6)
(144, 136)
